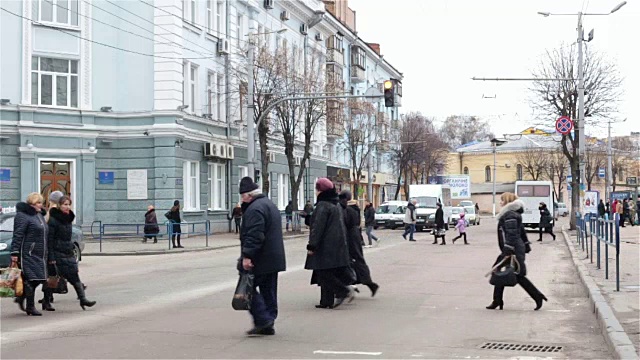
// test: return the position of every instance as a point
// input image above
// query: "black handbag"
(244, 292)
(62, 287)
(505, 274)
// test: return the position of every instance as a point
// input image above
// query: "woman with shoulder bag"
(173, 215)
(61, 250)
(513, 241)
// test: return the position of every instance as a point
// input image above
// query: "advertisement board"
(591, 200)
(460, 185)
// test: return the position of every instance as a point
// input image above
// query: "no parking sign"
(564, 125)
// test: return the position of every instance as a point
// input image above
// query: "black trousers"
(264, 303)
(237, 224)
(527, 285)
(332, 282)
(462, 235)
(548, 230)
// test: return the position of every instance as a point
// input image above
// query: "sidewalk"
(135, 246)
(619, 311)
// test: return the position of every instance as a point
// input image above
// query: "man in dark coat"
(545, 221)
(327, 250)
(440, 230)
(354, 239)
(262, 252)
(370, 222)
(308, 211)
(601, 209)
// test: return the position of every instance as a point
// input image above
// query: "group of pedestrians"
(439, 225)
(42, 246)
(334, 250)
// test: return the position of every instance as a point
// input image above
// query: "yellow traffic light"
(388, 85)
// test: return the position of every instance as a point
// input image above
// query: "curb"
(174, 251)
(617, 339)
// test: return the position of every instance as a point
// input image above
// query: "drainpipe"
(227, 106)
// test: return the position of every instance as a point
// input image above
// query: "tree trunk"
(262, 136)
(398, 187)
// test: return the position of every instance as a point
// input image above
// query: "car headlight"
(3, 246)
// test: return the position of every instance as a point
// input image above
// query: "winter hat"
(55, 196)
(345, 195)
(176, 203)
(461, 216)
(324, 184)
(247, 185)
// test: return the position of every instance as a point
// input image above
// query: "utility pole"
(251, 118)
(369, 161)
(581, 134)
(609, 187)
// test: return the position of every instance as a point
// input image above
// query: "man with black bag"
(262, 254)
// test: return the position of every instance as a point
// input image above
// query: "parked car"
(466, 203)
(390, 214)
(561, 209)
(471, 216)
(455, 214)
(6, 236)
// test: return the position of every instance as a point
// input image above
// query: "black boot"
(497, 302)
(46, 301)
(31, 302)
(374, 288)
(443, 241)
(531, 289)
(83, 299)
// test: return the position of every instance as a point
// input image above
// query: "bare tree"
(595, 158)
(534, 162)
(551, 99)
(360, 138)
(461, 129)
(556, 171)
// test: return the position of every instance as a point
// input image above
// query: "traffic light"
(389, 94)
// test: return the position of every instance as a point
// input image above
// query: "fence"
(607, 233)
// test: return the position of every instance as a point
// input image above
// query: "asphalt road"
(430, 305)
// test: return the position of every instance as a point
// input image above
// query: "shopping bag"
(244, 291)
(8, 278)
(19, 288)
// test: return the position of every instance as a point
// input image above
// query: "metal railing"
(203, 228)
(607, 233)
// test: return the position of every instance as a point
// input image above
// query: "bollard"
(207, 228)
(606, 259)
(101, 233)
(170, 232)
(618, 256)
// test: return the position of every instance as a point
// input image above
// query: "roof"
(514, 143)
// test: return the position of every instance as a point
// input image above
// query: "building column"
(28, 173)
(87, 196)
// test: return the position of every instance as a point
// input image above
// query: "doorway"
(55, 176)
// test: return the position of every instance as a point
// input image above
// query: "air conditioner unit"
(268, 4)
(272, 157)
(210, 149)
(224, 47)
(304, 29)
(222, 150)
(319, 37)
(298, 160)
(284, 16)
(230, 152)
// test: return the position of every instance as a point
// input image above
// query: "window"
(54, 82)
(210, 15)
(63, 12)
(240, 30)
(220, 13)
(194, 7)
(217, 186)
(190, 87)
(518, 172)
(243, 171)
(358, 57)
(620, 175)
(466, 170)
(219, 98)
(212, 96)
(487, 173)
(189, 10)
(191, 182)
(335, 43)
(283, 191)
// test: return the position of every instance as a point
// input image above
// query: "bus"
(532, 193)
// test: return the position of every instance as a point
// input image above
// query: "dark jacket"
(174, 217)
(288, 210)
(601, 209)
(355, 240)
(512, 238)
(545, 217)
(439, 218)
(29, 242)
(369, 216)
(328, 236)
(236, 213)
(60, 242)
(151, 222)
(261, 236)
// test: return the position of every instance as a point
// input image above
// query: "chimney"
(375, 47)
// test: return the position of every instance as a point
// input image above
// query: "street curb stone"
(175, 251)
(617, 339)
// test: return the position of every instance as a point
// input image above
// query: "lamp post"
(580, 128)
(495, 142)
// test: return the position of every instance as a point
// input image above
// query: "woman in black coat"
(545, 221)
(512, 240)
(61, 251)
(327, 251)
(174, 216)
(440, 226)
(29, 248)
(151, 228)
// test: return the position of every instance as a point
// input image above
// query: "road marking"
(330, 352)
(560, 311)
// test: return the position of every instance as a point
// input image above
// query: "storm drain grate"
(521, 347)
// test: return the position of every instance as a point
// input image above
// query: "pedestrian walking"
(174, 217)
(288, 213)
(327, 250)
(627, 205)
(354, 241)
(440, 230)
(461, 225)
(545, 224)
(370, 222)
(151, 228)
(620, 211)
(410, 220)
(512, 240)
(308, 211)
(601, 209)
(236, 214)
(61, 251)
(29, 249)
(262, 253)
(607, 209)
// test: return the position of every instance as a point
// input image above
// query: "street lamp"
(495, 142)
(580, 127)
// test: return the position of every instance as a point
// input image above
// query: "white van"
(391, 214)
(428, 196)
(532, 193)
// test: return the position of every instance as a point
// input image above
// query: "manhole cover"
(520, 347)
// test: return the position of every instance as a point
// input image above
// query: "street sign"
(601, 173)
(564, 125)
(632, 180)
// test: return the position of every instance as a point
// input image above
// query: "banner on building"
(460, 185)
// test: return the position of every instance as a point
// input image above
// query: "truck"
(532, 193)
(428, 196)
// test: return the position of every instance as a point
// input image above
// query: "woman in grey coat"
(29, 248)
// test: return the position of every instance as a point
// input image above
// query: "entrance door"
(54, 176)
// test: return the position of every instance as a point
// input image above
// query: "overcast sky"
(440, 45)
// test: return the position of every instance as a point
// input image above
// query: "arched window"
(487, 173)
(518, 172)
(466, 170)
(620, 175)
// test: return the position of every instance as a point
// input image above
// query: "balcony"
(335, 56)
(335, 119)
(357, 74)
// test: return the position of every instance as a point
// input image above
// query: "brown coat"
(619, 208)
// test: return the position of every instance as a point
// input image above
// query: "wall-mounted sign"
(106, 177)
(137, 184)
(5, 175)
(179, 182)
